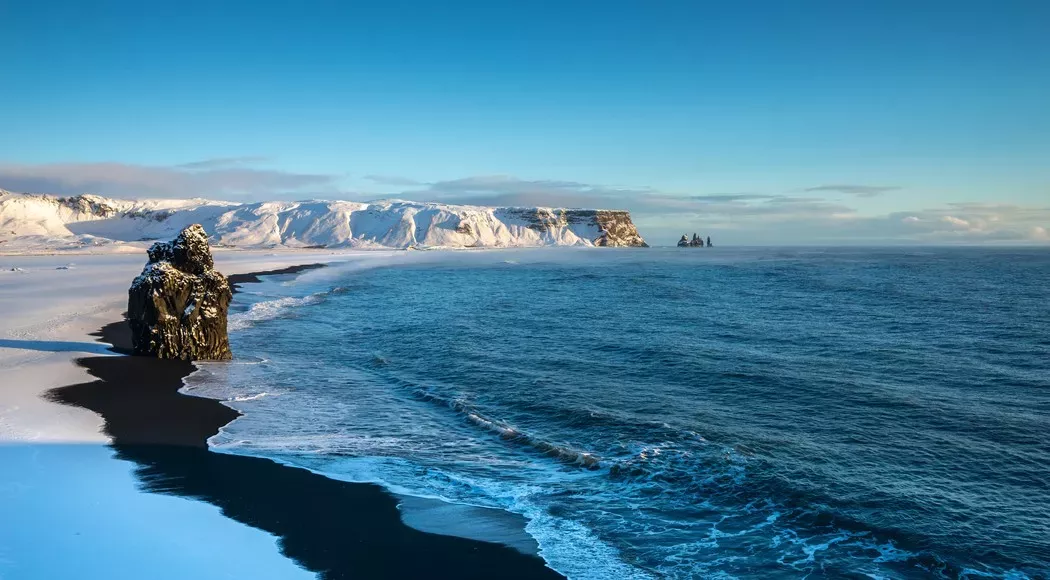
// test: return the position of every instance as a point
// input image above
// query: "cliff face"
(599, 227)
(619, 230)
(50, 221)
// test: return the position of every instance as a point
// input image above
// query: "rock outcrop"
(599, 227)
(617, 229)
(696, 242)
(177, 306)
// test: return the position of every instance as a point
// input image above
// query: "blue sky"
(755, 122)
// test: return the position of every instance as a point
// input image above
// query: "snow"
(49, 314)
(61, 491)
(73, 511)
(30, 222)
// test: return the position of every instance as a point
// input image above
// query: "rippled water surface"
(677, 412)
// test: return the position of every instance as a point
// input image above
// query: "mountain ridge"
(87, 220)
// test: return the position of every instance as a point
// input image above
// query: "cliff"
(87, 220)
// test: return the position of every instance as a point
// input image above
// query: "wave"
(563, 453)
(277, 307)
(732, 480)
(255, 397)
(270, 309)
(568, 546)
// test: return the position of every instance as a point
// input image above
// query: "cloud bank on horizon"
(823, 216)
(227, 178)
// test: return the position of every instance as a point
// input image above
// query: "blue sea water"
(680, 413)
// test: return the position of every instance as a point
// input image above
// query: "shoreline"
(334, 528)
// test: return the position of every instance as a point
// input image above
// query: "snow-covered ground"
(35, 223)
(68, 509)
(73, 511)
(50, 305)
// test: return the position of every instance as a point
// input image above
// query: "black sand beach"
(337, 529)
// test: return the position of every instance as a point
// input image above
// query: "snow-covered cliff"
(36, 221)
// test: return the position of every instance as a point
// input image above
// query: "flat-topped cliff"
(34, 220)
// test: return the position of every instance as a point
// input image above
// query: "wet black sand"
(337, 529)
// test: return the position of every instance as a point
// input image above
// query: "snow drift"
(47, 221)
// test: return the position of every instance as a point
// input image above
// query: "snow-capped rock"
(177, 306)
(30, 220)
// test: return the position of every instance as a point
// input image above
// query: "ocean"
(675, 413)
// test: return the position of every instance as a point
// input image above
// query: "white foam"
(255, 397)
(269, 310)
(573, 549)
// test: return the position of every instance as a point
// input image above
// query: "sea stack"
(177, 306)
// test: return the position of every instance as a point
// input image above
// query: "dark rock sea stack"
(177, 306)
(696, 242)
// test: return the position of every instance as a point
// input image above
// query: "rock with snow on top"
(177, 306)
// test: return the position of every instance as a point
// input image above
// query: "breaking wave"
(511, 434)
(269, 310)
(255, 397)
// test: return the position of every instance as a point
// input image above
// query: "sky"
(754, 122)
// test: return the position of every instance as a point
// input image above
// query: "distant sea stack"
(696, 242)
(177, 306)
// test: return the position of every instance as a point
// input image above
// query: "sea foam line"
(270, 309)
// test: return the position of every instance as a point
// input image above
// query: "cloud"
(219, 178)
(723, 208)
(753, 218)
(730, 197)
(857, 190)
(224, 162)
(392, 180)
(505, 184)
(505, 190)
(961, 223)
(756, 217)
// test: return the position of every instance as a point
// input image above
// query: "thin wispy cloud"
(505, 190)
(211, 178)
(224, 162)
(729, 197)
(489, 184)
(392, 180)
(857, 190)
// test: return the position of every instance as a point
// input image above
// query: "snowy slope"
(29, 221)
